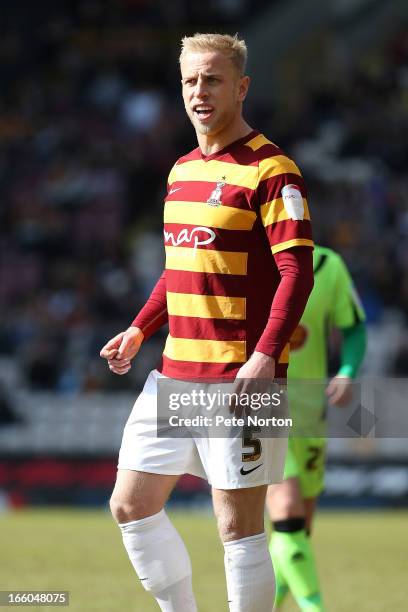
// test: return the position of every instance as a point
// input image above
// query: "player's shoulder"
(325, 251)
(331, 258)
(259, 148)
(193, 155)
(270, 157)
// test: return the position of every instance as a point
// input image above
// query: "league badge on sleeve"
(293, 202)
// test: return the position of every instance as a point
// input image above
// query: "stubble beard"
(204, 130)
(212, 129)
(201, 128)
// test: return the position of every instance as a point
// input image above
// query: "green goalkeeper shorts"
(305, 460)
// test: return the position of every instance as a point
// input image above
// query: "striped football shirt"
(225, 216)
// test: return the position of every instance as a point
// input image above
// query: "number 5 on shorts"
(249, 442)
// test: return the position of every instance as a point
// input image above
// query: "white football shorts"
(224, 462)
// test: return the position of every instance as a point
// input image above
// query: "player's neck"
(210, 144)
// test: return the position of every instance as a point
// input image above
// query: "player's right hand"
(340, 391)
(121, 349)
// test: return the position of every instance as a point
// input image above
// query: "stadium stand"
(91, 121)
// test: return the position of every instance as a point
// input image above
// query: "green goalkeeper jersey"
(333, 303)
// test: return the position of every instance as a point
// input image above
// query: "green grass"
(362, 560)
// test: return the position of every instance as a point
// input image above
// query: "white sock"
(249, 573)
(161, 561)
(178, 597)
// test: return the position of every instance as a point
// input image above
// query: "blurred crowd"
(91, 121)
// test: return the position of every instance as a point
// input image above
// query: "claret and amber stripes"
(206, 260)
(224, 218)
(200, 214)
(205, 351)
(274, 212)
(205, 306)
(241, 175)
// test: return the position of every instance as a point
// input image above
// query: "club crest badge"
(215, 197)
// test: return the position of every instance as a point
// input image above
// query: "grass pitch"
(362, 559)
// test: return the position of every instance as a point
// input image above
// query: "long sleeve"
(347, 314)
(296, 269)
(353, 349)
(154, 313)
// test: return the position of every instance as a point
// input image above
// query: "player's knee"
(231, 527)
(120, 510)
(124, 510)
(228, 528)
(286, 507)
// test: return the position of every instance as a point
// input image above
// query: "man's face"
(213, 91)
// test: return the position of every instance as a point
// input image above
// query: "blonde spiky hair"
(231, 46)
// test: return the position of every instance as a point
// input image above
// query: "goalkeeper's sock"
(161, 561)
(249, 573)
(293, 558)
(281, 586)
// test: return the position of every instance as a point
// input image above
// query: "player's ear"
(243, 87)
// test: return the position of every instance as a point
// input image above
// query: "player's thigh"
(311, 458)
(284, 500)
(137, 495)
(239, 512)
(305, 460)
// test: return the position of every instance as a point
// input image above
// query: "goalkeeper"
(291, 504)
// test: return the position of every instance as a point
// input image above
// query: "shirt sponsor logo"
(174, 190)
(293, 202)
(196, 237)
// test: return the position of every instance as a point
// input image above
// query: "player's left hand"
(258, 365)
(340, 391)
(257, 370)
